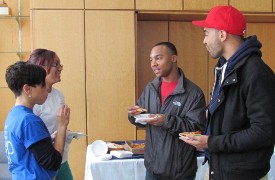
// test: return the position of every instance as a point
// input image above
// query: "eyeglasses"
(58, 65)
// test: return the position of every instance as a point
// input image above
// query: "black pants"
(150, 176)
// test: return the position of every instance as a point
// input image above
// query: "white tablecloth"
(271, 174)
(133, 169)
(123, 169)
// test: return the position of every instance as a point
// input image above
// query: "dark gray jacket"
(165, 155)
(242, 136)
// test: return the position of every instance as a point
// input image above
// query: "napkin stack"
(121, 153)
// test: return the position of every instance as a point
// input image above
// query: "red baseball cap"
(225, 18)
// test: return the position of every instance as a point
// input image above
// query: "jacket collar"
(232, 77)
(180, 88)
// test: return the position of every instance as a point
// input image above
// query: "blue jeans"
(150, 176)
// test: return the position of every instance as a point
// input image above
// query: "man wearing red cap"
(239, 140)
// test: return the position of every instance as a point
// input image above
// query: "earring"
(30, 95)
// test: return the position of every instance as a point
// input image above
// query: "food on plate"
(114, 146)
(141, 110)
(194, 133)
(137, 145)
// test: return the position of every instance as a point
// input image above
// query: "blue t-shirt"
(22, 129)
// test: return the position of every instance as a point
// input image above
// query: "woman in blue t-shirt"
(29, 148)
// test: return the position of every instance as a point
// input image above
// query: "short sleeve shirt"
(22, 129)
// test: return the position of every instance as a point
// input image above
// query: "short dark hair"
(21, 73)
(42, 57)
(169, 45)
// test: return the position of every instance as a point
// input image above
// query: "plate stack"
(99, 150)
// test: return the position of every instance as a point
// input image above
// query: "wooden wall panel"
(9, 31)
(13, 5)
(141, 135)
(148, 34)
(6, 59)
(159, 5)
(7, 99)
(192, 55)
(52, 29)
(9, 35)
(25, 7)
(60, 4)
(204, 5)
(262, 30)
(110, 74)
(6, 103)
(26, 35)
(9, 46)
(107, 4)
(252, 5)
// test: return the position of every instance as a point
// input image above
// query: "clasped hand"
(63, 115)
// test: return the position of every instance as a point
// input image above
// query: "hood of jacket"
(250, 46)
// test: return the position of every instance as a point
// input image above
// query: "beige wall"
(9, 49)
(110, 73)
(105, 48)
(50, 31)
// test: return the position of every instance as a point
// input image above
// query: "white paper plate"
(99, 148)
(75, 134)
(104, 157)
(121, 153)
(141, 117)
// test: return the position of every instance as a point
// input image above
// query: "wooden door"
(192, 55)
(149, 33)
(264, 35)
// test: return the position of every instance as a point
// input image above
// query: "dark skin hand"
(156, 119)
